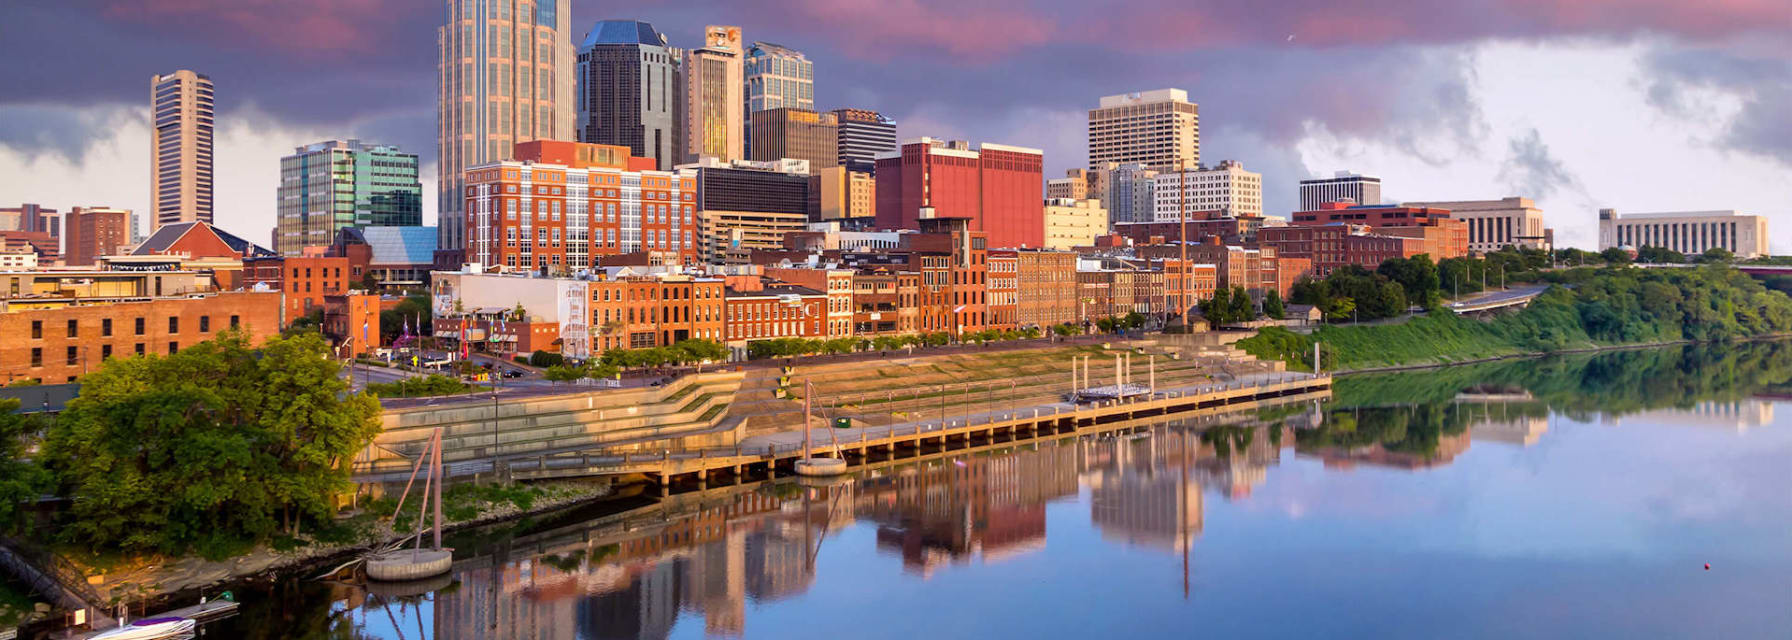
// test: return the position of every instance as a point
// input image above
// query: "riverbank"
(150, 583)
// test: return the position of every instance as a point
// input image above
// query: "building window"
(139, 331)
(235, 321)
(37, 329)
(173, 347)
(37, 357)
(106, 327)
(173, 324)
(139, 348)
(105, 351)
(205, 324)
(74, 356)
(74, 330)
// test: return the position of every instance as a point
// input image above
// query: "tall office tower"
(343, 183)
(630, 91)
(1132, 193)
(94, 232)
(714, 112)
(1343, 186)
(996, 187)
(777, 77)
(863, 135)
(796, 134)
(1153, 128)
(1227, 189)
(504, 68)
(180, 189)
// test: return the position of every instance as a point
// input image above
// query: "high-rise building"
(180, 185)
(1153, 128)
(778, 77)
(630, 91)
(93, 232)
(841, 193)
(796, 134)
(341, 183)
(714, 111)
(863, 135)
(1132, 193)
(504, 68)
(744, 206)
(1344, 186)
(1688, 232)
(996, 187)
(562, 206)
(1227, 189)
(1496, 224)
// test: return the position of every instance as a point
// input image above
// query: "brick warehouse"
(61, 344)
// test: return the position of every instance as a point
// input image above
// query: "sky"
(1637, 105)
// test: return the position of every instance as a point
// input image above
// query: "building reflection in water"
(633, 575)
(1740, 415)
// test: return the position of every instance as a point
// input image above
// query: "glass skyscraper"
(342, 183)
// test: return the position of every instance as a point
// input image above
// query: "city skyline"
(1440, 102)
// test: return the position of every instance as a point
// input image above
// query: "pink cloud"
(328, 29)
(883, 29)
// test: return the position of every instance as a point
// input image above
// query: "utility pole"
(1182, 235)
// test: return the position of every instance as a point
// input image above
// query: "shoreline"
(1542, 354)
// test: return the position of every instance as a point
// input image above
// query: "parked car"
(513, 373)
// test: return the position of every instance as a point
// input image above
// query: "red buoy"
(1707, 566)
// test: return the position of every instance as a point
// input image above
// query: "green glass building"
(330, 185)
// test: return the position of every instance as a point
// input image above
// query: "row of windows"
(73, 329)
(76, 354)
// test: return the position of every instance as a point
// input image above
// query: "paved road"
(1494, 298)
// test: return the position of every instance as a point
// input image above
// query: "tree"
(1340, 308)
(21, 481)
(563, 373)
(1717, 255)
(1133, 320)
(1417, 275)
(213, 447)
(545, 359)
(1615, 256)
(1272, 304)
(1242, 308)
(1659, 255)
(1218, 309)
(519, 314)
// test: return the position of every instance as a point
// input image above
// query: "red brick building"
(1332, 246)
(91, 232)
(1045, 288)
(997, 188)
(1201, 225)
(837, 283)
(778, 311)
(353, 320)
(1003, 300)
(305, 280)
(886, 301)
(61, 344)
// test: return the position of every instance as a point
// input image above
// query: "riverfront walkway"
(770, 453)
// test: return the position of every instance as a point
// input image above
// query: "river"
(1579, 496)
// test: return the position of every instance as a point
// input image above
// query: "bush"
(433, 384)
(545, 359)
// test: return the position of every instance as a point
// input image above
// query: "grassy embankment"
(1593, 308)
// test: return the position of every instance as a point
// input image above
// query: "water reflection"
(719, 562)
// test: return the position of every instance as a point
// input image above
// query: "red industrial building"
(997, 187)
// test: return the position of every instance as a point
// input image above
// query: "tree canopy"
(214, 446)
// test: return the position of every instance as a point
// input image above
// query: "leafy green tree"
(419, 387)
(1242, 309)
(1133, 320)
(1272, 304)
(1218, 309)
(1615, 256)
(1718, 255)
(1659, 255)
(563, 373)
(1340, 308)
(545, 359)
(213, 447)
(21, 481)
(601, 371)
(1065, 330)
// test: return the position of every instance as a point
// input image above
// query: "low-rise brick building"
(61, 343)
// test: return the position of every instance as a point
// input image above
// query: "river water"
(1568, 497)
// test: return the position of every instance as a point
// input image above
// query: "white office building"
(1688, 232)
(1497, 224)
(1227, 189)
(1342, 186)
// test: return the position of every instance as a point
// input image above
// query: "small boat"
(149, 629)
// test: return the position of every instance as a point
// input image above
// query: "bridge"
(766, 456)
(1515, 297)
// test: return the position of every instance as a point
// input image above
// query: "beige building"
(1226, 188)
(1153, 128)
(1073, 223)
(798, 134)
(1688, 232)
(1496, 224)
(729, 237)
(505, 75)
(180, 179)
(713, 97)
(840, 193)
(1078, 184)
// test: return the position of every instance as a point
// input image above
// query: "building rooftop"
(623, 32)
(397, 245)
(168, 234)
